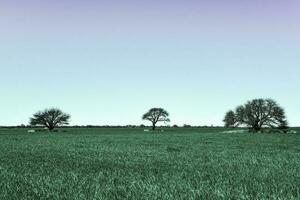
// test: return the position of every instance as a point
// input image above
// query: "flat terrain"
(132, 164)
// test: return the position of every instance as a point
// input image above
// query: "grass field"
(132, 164)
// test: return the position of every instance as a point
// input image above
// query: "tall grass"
(132, 164)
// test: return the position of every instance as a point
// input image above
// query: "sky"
(108, 62)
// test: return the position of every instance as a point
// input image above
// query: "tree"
(230, 120)
(258, 114)
(50, 118)
(156, 115)
(186, 126)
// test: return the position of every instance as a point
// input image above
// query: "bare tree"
(260, 113)
(156, 115)
(50, 118)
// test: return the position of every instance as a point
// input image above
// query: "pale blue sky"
(108, 63)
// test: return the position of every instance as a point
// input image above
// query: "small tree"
(50, 118)
(186, 126)
(230, 120)
(258, 114)
(156, 115)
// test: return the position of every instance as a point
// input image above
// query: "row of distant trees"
(51, 118)
(256, 115)
(120, 126)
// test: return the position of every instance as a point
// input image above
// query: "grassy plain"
(132, 164)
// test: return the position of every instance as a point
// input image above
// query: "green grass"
(132, 164)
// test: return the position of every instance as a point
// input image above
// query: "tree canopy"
(257, 114)
(156, 115)
(50, 118)
(229, 119)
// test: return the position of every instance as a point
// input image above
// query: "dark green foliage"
(155, 115)
(186, 126)
(258, 114)
(180, 163)
(230, 119)
(50, 118)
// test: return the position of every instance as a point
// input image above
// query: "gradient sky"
(108, 62)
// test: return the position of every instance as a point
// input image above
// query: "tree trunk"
(256, 126)
(256, 129)
(153, 126)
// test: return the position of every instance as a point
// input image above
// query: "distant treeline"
(115, 126)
